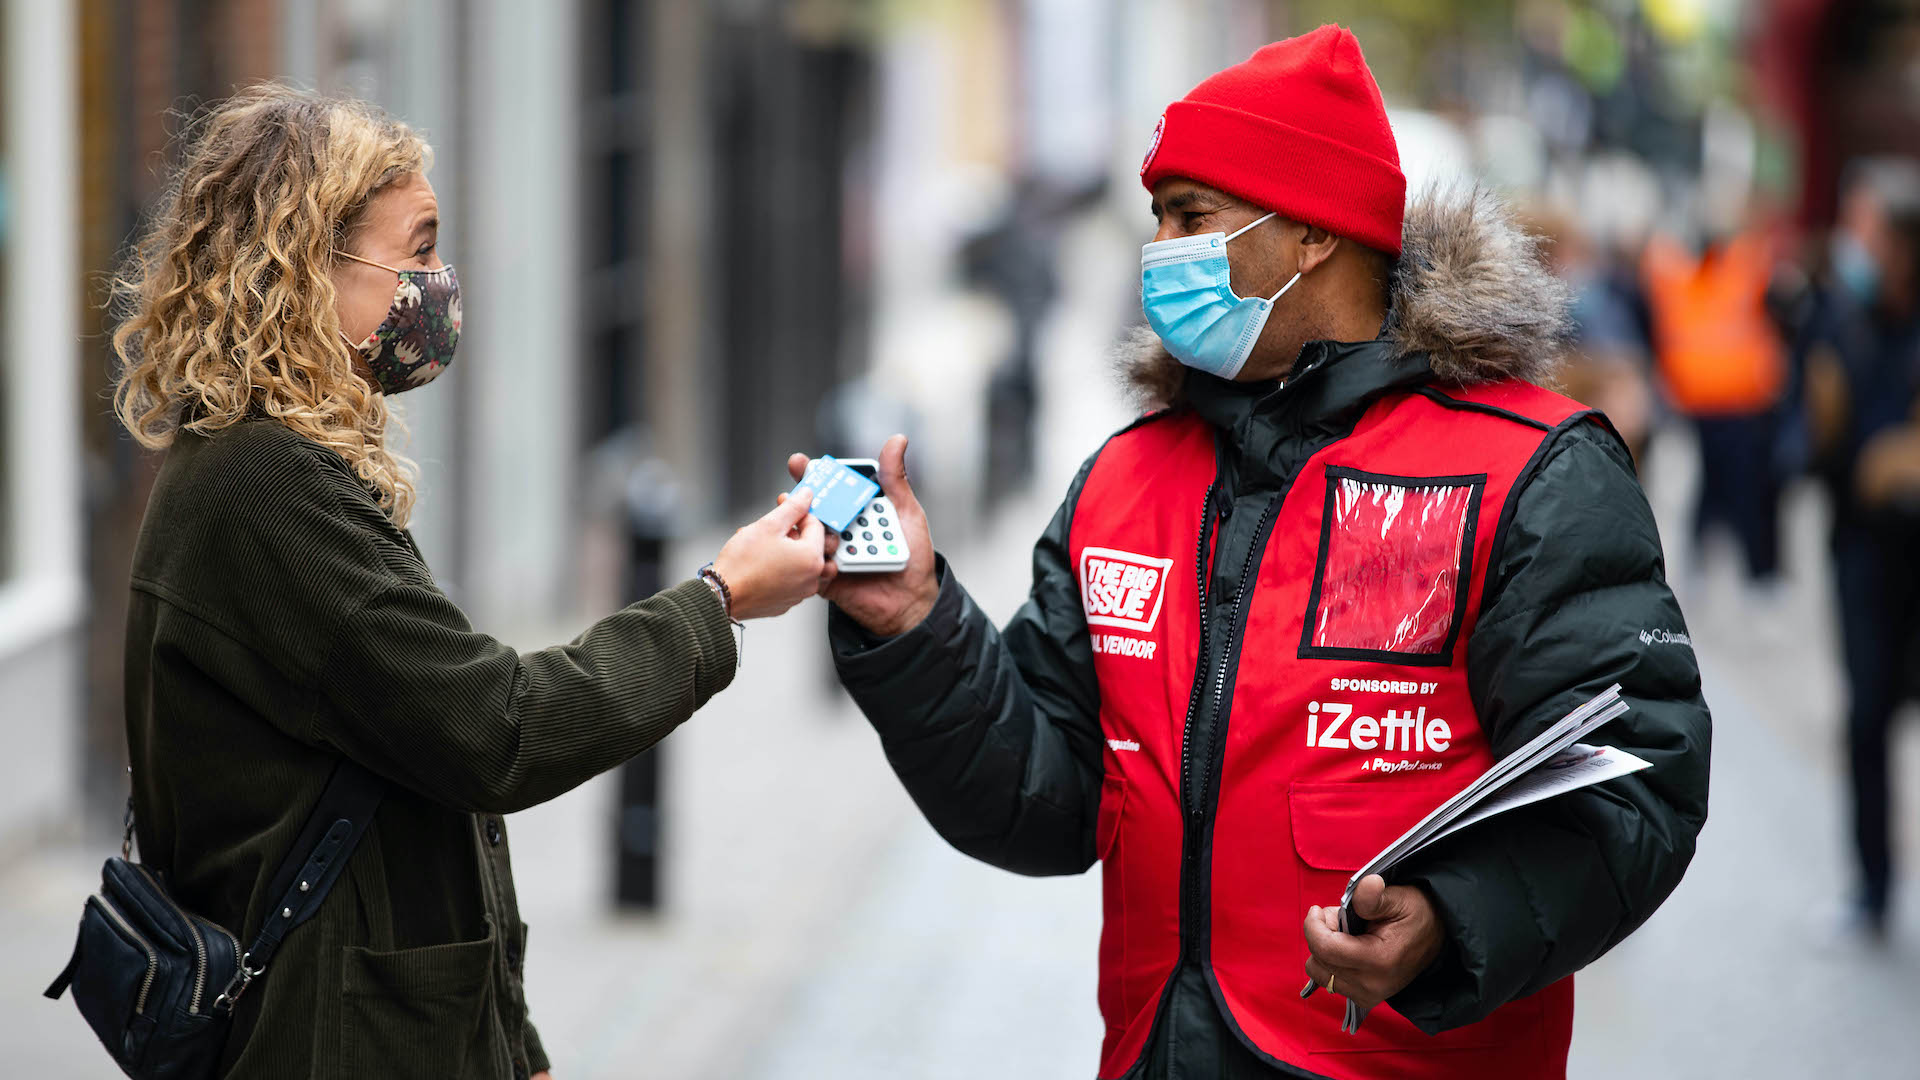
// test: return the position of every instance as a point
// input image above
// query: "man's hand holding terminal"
(888, 604)
(1403, 938)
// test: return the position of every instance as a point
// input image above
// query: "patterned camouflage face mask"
(415, 342)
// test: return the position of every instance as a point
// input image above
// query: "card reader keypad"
(873, 543)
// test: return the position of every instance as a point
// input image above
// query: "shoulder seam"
(186, 607)
(1447, 401)
(1086, 467)
(1142, 420)
(193, 611)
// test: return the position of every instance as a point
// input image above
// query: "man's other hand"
(887, 604)
(1403, 937)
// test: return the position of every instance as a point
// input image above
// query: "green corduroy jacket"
(278, 621)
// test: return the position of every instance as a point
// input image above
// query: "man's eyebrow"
(1195, 197)
(1181, 200)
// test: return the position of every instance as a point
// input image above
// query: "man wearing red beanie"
(1355, 555)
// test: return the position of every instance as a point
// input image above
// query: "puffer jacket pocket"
(1337, 827)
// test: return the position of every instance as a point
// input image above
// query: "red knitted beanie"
(1298, 128)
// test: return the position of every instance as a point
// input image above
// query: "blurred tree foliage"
(1413, 46)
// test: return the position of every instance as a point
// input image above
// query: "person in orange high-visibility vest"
(1723, 366)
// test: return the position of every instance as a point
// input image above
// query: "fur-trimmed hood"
(1471, 292)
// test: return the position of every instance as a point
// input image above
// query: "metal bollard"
(637, 828)
(641, 491)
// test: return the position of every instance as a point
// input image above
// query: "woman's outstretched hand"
(777, 561)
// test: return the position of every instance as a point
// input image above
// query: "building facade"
(580, 146)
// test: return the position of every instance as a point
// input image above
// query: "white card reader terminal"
(874, 543)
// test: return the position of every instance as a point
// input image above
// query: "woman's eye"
(426, 249)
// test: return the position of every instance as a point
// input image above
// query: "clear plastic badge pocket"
(1390, 584)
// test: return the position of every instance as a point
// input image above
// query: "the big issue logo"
(1122, 589)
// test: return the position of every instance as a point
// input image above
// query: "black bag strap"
(311, 867)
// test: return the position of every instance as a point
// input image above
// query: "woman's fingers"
(797, 465)
(813, 532)
(788, 512)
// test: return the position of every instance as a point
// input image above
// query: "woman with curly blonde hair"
(282, 619)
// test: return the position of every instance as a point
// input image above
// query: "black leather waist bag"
(158, 983)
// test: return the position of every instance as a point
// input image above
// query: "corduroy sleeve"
(417, 695)
(1577, 601)
(536, 1052)
(333, 593)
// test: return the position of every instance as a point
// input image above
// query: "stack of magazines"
(1553, 763)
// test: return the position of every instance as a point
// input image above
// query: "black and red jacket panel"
(998, 733)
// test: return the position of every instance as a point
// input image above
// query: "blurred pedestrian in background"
(1348, 437)
(1607, 366)
(1013, 259)
(1862, 361)
(282, 617)
(1723, 367)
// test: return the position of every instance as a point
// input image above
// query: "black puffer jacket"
(996, 732)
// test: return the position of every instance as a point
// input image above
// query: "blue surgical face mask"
(1854, 265)
(1186, 290)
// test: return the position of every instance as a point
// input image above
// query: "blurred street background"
(696, 236)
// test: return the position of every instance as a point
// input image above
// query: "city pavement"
(816, 927)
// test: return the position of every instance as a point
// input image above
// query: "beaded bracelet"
(718, 584)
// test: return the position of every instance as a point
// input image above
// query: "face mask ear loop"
(369, 262)
(1249, 225)
(441, 269)
(1283, 289)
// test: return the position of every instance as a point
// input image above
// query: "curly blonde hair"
(226, 306)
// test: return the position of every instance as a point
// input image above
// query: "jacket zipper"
(1196, 796)
(199, 948)
(1193, 697)
(153, 959)
(1233, 619)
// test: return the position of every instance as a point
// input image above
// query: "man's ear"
(1317, 245)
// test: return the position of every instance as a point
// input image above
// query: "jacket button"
(519, 1070)
(513, 955)
(493, 831)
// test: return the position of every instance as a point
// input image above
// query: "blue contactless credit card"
(839, 493)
